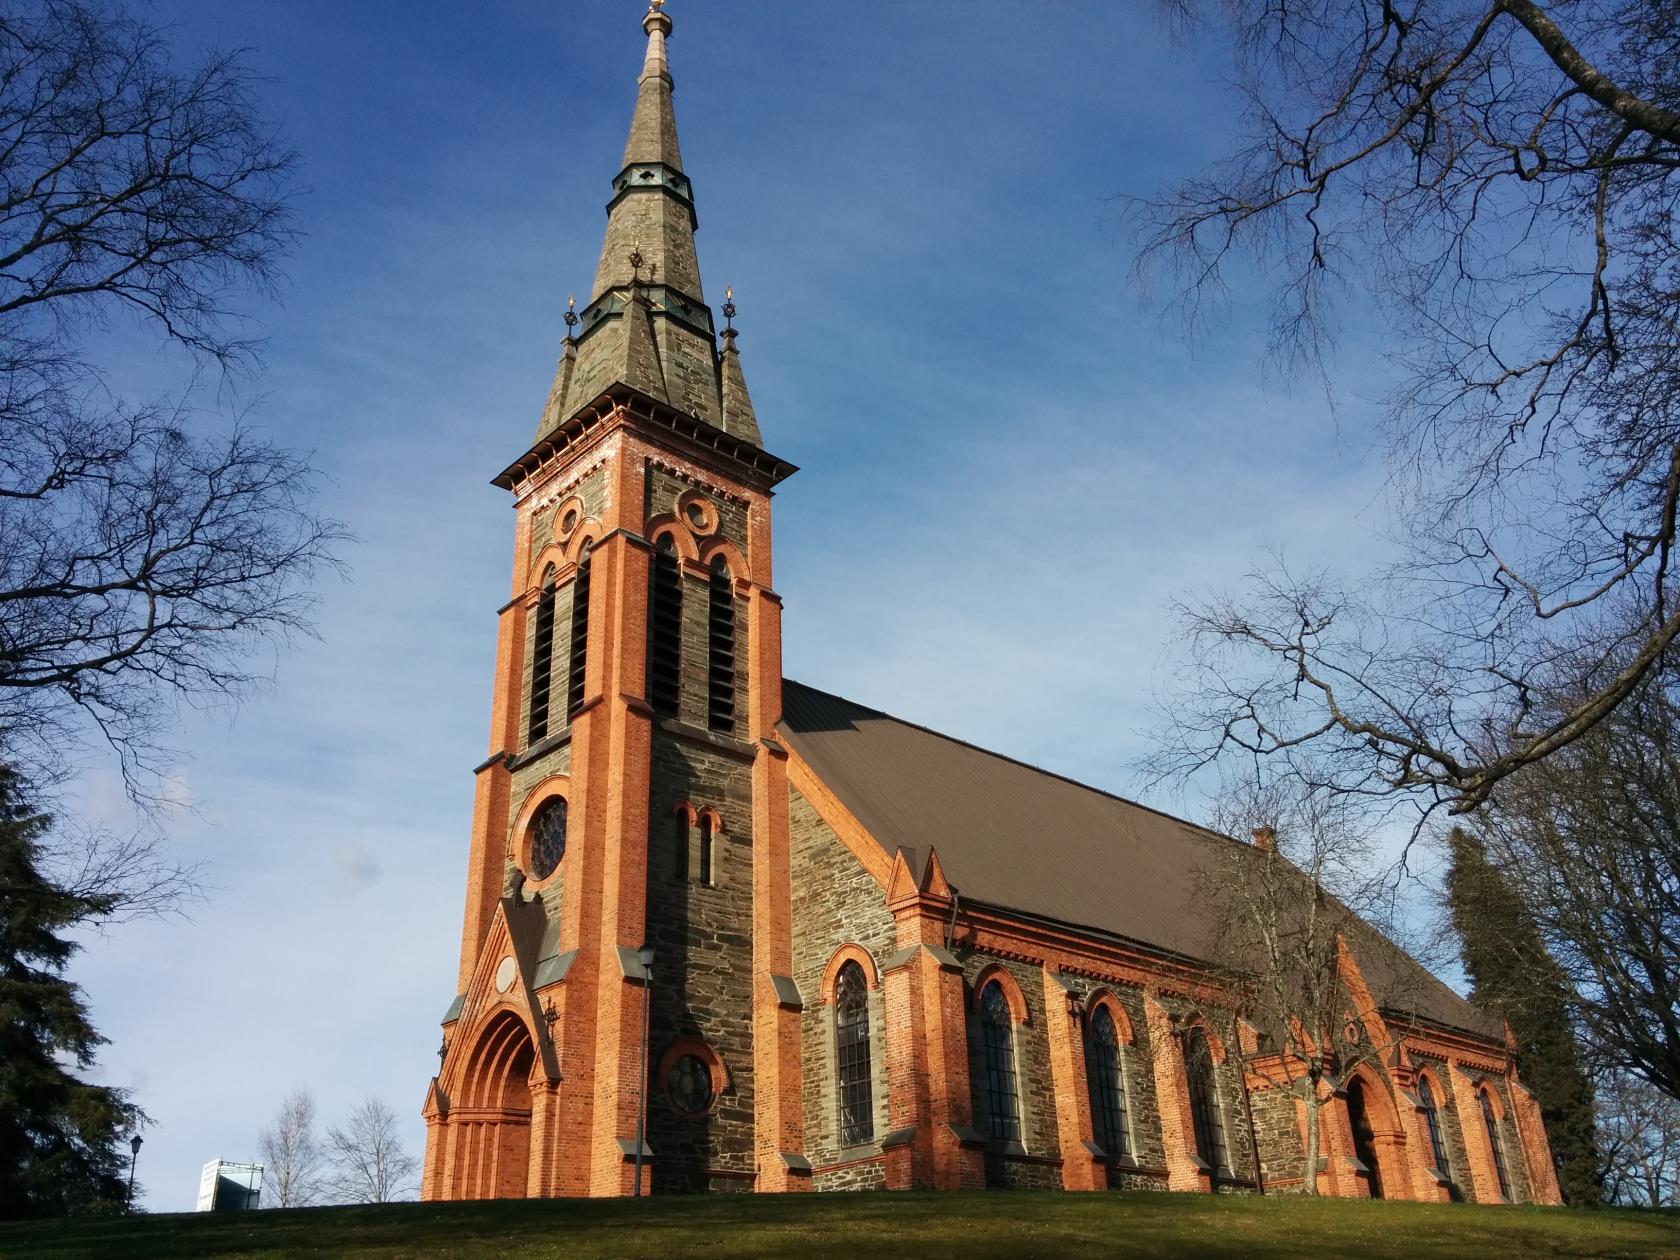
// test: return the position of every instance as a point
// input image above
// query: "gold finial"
(729, 309)
(654, 6)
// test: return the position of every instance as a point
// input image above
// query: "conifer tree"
(62, 1147)
(1516, 977)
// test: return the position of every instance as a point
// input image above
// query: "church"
(727, 932)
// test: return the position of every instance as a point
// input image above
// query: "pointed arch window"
(997, 1038)
(720, 674)
(851, 1038)
(1205, 1116)
(1106, 1061)
(665, 629)
(706, 839)
(1432, 1121)
(580, 637)
(542, 662)
(1496, 1142)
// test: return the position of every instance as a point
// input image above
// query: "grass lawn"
(812, 1227)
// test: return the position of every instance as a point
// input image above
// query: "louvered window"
(997, 1038)
(1432, 1119)
(542, 663)
(720, 683)
(665, 629)
(1204, 1100)
(1107, 1068)
(851, 1036)
(580, 638)
(1497, 1143)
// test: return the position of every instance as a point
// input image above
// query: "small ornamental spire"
(729, 310)
(571, 318)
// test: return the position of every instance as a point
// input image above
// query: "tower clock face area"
(548, 837)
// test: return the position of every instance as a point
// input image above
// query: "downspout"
(1248, 1106)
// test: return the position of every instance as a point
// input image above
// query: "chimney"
(1265, 839)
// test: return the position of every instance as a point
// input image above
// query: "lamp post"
(645, 954)
(133, 1159)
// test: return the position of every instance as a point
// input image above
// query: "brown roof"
(1019, 838)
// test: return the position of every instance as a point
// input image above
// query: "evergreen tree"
(1517, 978)
(62, 1147)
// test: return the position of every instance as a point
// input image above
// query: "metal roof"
(1020, 838)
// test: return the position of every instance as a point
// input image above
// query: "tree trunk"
(1309, 1183)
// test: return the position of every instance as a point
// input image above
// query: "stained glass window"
(1104, 1057)
(690, 1085)
(1204, 1100)
(997, 1036)
(851, 1035)
(1432, 1119)
(1497, 1143)
(548, 837)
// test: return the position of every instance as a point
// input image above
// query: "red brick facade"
(696, 829)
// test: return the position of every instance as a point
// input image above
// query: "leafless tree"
(1639, 1133)
(140, 562)
(369, 1163)
(1590, 842)
(293, 1163)
(1499, 177)
(1286, 907)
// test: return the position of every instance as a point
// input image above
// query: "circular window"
(690, 1085)
(569, 521)
(548, 837)
(697, 515)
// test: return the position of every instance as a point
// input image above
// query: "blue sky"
(1009, 463)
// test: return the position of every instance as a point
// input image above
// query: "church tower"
(635, 794)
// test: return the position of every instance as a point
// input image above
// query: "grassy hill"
(812, 1227)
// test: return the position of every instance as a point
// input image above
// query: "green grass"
(876, 1227)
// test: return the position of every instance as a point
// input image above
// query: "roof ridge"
(1016, 761)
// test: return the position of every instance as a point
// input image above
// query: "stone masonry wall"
(1146, 1169)
(835, 902)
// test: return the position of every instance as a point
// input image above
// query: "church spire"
(647, 324)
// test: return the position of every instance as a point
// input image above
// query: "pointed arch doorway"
(492, 1151)
(1375, 1133)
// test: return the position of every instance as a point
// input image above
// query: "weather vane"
(729, 309)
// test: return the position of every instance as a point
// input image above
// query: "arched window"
(542, 662)
(580, 636)
(1106, 1066)
(851, 1039)
(997, 1036)
(706, 848)
(1496, 1142)
(720, 677)
(665, 629)
(1204, 1100)
(1432, 1119)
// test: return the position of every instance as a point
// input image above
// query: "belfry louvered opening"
(580, 637)
(665, 629)
(720, 674)
(542, 662)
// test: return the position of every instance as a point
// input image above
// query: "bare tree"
(369, 1163)
(1286, 907)
(140, 563)
(1589, 841)
(293, 1163)
(1639, 1133)
(1500, 177)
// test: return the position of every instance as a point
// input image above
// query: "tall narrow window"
(679, 841)
(1432, 1120)
(1204, 1100)
(665, 629)
(1496, 1142)
(720, 681)
(705, 848)
(997, 1037)
(580, 637)
(1364, 1138)
(542, 662)
(1107, 1068)
(851, 1037)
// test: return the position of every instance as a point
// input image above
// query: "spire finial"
(571, 316)
(729, 308)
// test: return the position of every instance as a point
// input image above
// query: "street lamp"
(133, 1159)
(645, 954)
